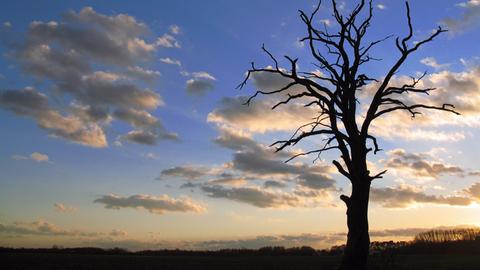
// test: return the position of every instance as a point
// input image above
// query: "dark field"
(80, 261)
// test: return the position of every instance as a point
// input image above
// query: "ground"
(119, 262)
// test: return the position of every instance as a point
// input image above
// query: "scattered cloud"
(381, 6)
(78, 55)
(185, 172)
(307, 239)
(30, 103)
(198, 87)
(238, 179)
(274, 184)
(150, 155)
(458, 88)
(316, 240)
(62, 208)
(18, 157)
(299, 44)
(118, 233)
(35, 156)
(120, 238)
(39, 157)
(230, 180)
(405, 195)
(148, 130)
(200, 84)
(171, 61)
(142, 74)
(420, 166)
(175, 29)
(469, 4)
(168, 41)
(470, 63)
(469, 18)
(259, 197)
(326, 22)
(258, 116)
(42, 227)
(462, 89)
(411, 232)
(154, 204)
(473, 191)
(255, 159)
(203, 75)
(432, 62)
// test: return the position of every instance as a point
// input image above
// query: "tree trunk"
(358, 241)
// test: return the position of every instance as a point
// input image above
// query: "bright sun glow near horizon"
(121, 125)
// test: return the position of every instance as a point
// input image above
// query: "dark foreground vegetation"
(436, 250)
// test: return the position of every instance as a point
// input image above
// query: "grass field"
(83, 262)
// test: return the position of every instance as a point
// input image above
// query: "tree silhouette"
(333, 92)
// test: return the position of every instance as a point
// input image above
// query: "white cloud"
(175, 29)
(18, 157)
(171, 61)
(168, 41)
(150, 155)
(299, 44)
(39, 157)
(432, 62)
(327, 22)
(35, 156)
(469, 4)
(470, 63)
(203, 75)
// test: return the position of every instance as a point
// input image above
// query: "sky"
(121, 125)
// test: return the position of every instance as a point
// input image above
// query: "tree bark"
(358, 242)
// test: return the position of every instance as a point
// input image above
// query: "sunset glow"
(122, 125)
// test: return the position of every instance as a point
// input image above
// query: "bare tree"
(334, 93)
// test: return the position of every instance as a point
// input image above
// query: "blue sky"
(141, 172)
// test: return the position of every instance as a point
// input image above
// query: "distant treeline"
(464, 241)
(264, 251)
(458, 241)
(440, 236)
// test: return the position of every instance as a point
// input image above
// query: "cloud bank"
(153, 204)
(95, 63)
